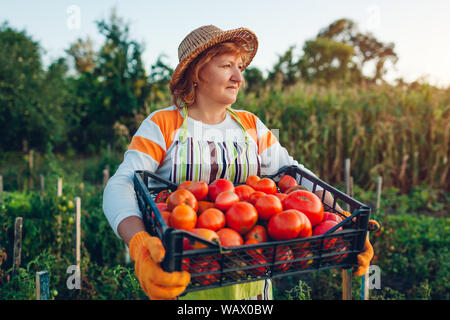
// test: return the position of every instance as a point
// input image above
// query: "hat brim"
(242, 34)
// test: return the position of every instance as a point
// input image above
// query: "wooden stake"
(60, 190)
(105, 176)
(365, 293)
(42, 285)
(17, 242)
(379, 187)
(77, 231)
(31, 165)
(1, 188)
(347, 179)
(42, 184)
(347, 273)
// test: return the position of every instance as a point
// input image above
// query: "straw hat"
(205, 37)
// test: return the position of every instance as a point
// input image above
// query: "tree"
(21, 76)
(112, 85)
(325, 60)
(254, 79)
(83, 54)
(160, 76)
(366, 47)
(286, 70)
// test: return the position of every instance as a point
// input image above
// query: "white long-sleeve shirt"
(210, 152)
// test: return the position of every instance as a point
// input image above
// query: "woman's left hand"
(364, 259)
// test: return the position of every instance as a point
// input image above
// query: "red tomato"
(162, 206)
(183, 217)
(267, 206)
(212, 219)
(306, 202)
(266, 185)
(284, 225)
(209, 266)
(295, 188)
(243, 191)
(255, 196)
(191, 244)
(184, 185)
(218, 186)
(229, 237)
(306, 225)
(241, 216)
(257, 258)
(182, 196)
(252, 181)
(257, 233)
(162, 196)
(331, 216)
(284, 254)
(198, 188)
(225, 200)
(286, 182)
(281, 196)
(323, 227)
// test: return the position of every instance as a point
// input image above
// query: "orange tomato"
(183, 217)
(229, 237)
(191, 244)
(212, 219)
(252, 181)
(267, 206)
(182, 196)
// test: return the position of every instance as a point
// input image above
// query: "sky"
(419, 29)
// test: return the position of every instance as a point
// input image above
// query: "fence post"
(31, 166)
(17, 243)
(59, 218)
(59, 189)
(1, 188)
(77, 231)
(379, 188)
(42, 184)
(105, 175)
(347, 273)
(42, 285)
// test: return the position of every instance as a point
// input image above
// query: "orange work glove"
(366, 256)
(148, 252)
(364, 259)
(373, 224)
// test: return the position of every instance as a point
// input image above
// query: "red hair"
(184, 90)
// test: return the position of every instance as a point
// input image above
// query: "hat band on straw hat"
(204, 38)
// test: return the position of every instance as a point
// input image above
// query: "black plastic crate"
(217, 266)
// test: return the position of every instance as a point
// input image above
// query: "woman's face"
(220, 79)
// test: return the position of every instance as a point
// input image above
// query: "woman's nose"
(237, 75)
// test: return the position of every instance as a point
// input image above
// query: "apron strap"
(184, 131)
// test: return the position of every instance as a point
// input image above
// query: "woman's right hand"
(148, 252)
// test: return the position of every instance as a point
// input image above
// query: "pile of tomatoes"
(258, 211)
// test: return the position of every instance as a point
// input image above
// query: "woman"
(200, 138)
